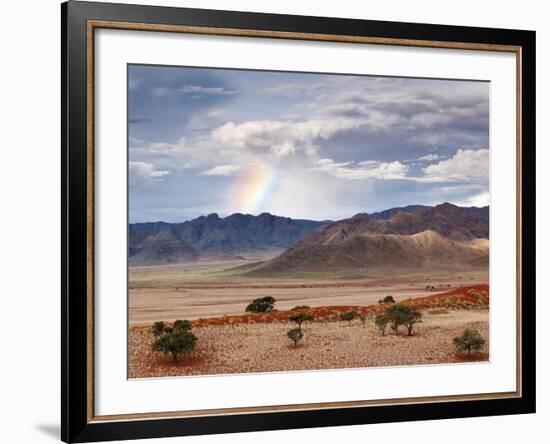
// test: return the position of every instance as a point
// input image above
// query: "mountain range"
(414, 236)
(162, 242)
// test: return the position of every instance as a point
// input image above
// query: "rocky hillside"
(424, 250)
(450, 221)
(361, 241)
(161, 242)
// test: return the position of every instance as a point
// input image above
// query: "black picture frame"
(77, 327)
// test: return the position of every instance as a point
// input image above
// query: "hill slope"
(163, 248)
(162, 242)
(450, 221)
(366, 252)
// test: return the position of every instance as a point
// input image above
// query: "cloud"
(281, 137)
(216, 113)
(145, 171)
(205, 91)
(195, 91)
(222, 170)
(478, 200)
(449, 137)
(293, 89)
(178, 148)
(456, 115)
(466, 164)
(287, 122)
(363, 170)
(429, 157)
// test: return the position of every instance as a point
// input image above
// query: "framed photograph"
(276, 221)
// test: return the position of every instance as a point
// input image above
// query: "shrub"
(468, 341)
(175, 343)
(363, 318)
(299, 307)
(401, 314)
(410, 319)
(381, 320)
(295, 335)
(158, 328)
(394, 315)
(348, 316)
(261, 305)
(388, 300)
(180, 325)
(299, 318)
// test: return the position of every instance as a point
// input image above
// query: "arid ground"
(230, 341)
(202, 289)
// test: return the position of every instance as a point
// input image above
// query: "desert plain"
(230, 341)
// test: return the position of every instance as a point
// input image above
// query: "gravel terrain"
(264, 347)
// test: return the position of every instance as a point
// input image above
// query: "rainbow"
(251, 189)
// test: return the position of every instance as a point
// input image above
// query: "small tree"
(158, 328)
(388, 300)
(395, 314)
(363, 318)
(381, 320)
(295, 335)
(401, 314)
(261, 305)
(468, 341)
(411, 317)
(180, 325)
(348, 316)
(299, 318)
(175, 343)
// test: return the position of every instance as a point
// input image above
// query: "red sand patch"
(467, 297)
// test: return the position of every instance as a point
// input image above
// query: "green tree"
(158, 328)
(175, 343)
(468, 341)
(180, 325)
(394, 314)
(411, 318)
(299, 318)
(388, 300)
(261, 305)
(381, 320)
(363, 318)
(401, 314)
(348, 316)
(295, 335)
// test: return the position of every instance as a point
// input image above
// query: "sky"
(301, 145)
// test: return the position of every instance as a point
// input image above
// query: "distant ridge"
(388, 214)
(162, 242)
(163, 247)
(425, 250)
(442, 236)
(448, 220)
